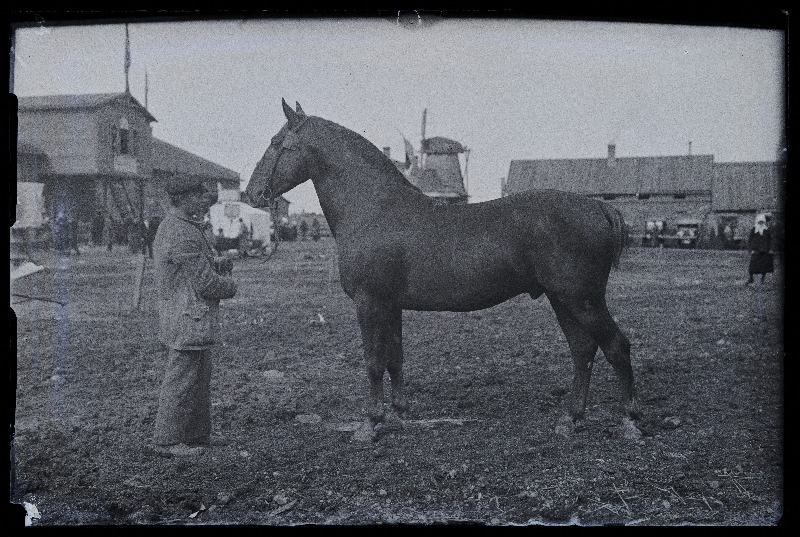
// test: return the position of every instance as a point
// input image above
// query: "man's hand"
(223, 265)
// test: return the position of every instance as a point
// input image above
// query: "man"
(98, 222)
(134, 229)
(303, 229)
(74, 232)
(61, 233)
(315, 229)
(189, 291)
(243, 238)
(149, 228)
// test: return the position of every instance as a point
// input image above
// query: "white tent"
(225, 215)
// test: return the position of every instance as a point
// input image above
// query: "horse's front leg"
(380, 322)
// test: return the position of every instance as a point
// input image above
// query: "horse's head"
(282, 166)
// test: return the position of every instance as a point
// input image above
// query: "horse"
(399, 249)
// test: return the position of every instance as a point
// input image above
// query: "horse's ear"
(290, 114)
(299, 109)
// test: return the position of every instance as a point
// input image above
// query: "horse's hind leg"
(394, 358)
(593, 315)
(583, 349)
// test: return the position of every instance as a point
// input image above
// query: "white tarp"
(30, 205)
(225, 215)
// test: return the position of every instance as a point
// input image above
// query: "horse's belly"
(459, 292)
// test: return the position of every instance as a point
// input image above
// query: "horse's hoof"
(566, 426)
(633, 410)
(629, 430)
(577, 415)
(377, 414)
(365, 433)
(401, 405)
(392, 423)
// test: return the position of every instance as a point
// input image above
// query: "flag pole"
(127, 58)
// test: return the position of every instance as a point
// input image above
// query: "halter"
(291, 142)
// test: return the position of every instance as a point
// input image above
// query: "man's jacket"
(188, 289)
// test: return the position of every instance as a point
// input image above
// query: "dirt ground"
(484, 441)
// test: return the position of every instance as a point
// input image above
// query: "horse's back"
(535, 212)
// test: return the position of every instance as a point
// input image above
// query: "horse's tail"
(619, 232)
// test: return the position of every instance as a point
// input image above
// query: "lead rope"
(273, 205)
(272, 214)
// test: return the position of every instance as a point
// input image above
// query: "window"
(679, 196)
(126, 138)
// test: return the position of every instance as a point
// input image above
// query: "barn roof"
(621, 176)
(172, 159)
(82, 101)
(25, 148)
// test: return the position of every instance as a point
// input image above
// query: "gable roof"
(624, 176)
(76, 102)
(171, 159)
(441, 145)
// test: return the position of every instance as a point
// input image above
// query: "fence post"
(137, 283)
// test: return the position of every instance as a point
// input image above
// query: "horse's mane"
(371, 154)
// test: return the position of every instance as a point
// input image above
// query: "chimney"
(612, 150)
(387, 151)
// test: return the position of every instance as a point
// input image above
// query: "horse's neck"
(352, 185)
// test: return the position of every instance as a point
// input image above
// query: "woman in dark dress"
(760, 245)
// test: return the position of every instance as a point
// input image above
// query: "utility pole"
(466, 169)
(422, 144)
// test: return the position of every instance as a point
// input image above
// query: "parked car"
(686, 234)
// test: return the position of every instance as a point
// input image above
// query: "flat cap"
(181, 185)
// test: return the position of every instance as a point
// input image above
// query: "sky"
(505, 88)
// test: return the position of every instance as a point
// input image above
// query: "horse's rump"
(570, 221)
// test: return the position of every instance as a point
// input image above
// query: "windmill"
(438, 170)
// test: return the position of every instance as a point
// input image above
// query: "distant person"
(303, 229)
(135, 238)
(112, 234)
(727, 235)
(73, 232)
(219, 242)
(60, 233)
(149, 228)
(760, 245)
(315, 231)
(243, 238)
(660, 231)
(98, 224)
(189, 290)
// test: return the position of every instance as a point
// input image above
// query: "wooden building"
(663, 188)
(96, 153)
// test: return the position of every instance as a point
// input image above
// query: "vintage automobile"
(686, 234)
